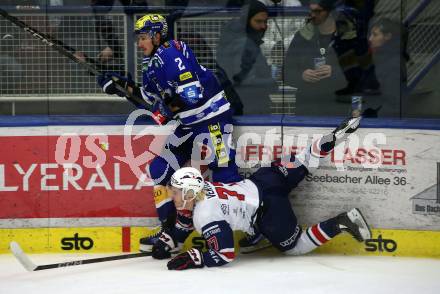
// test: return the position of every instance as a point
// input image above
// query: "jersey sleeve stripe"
(185, 53)
(227, 254)
(210, 228)
(185, 227)
(106, 85)
(148, 96)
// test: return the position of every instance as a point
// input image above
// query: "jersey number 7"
(224, 193)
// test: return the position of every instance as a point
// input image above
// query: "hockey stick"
(60, 47)
(30, 266)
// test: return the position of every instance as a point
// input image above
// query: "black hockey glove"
(108, 81)
(190, 259)
(163, 246)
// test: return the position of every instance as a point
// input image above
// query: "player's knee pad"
(303, 246)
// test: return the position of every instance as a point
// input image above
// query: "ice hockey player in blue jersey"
(181, 89)
(215, 210)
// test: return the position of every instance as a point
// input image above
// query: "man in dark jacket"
(311, 65)
(385, 47)
(240, 56)
(351, 45)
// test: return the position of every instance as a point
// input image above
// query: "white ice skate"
(347, 127)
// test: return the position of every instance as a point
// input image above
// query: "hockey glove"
(161, 113)
(190, 259)
(108, 81)
(163, 246)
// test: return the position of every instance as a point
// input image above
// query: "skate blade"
(356, 217)
(351, 124)
(145, 248)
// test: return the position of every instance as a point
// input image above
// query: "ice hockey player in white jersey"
(215, 210)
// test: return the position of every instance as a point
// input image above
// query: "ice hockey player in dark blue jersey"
(215, 210)
(181, 89)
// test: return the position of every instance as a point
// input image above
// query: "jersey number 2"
(179, 63)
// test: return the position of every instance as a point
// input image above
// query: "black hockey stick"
(88, 63)
(30, 266)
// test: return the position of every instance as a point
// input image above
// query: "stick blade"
(21, 256)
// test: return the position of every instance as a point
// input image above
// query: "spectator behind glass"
(384, 41)
(240, 56)
(311, 65)
(279, 32)
(111, 55)
(112, 48)
(351, 45)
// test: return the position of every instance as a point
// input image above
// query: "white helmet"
(188, 178)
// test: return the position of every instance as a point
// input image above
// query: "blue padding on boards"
(68, 120)
(303, 121)
(258, 120)
(308, 121)
(248, 120)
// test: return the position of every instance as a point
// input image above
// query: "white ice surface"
(270, 274)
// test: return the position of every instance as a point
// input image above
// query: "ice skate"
(146, 243)
(347, 127)
(341, 133)
(354, 223)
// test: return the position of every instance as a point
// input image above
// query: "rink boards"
(126, 239)
(82, 187)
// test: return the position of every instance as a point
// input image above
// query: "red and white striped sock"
(317, 235)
